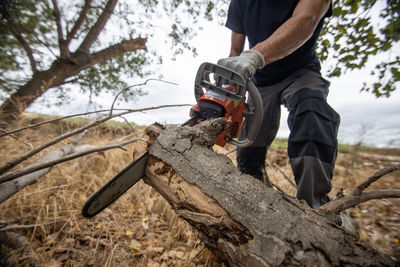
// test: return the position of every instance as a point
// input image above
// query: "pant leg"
(251, 160)
(312, 144)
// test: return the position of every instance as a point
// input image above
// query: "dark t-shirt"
(258, 19)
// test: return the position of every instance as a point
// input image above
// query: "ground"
(140, 228)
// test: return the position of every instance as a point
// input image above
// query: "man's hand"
(246, 64)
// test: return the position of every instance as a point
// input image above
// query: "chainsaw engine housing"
(213, 105)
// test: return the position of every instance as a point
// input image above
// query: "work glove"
(246, 64)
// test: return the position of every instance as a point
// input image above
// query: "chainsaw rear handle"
(225, 76)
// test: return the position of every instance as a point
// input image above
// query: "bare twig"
(267, 180)
(53, 120)
(95, 30)
(125, 137)
(131, 86)
(18, 173)
(61, 42)
(10, 188)
(79, 21)
(276, 187)
(358, 195)
(284, 175)
(29, 154)
(349, 201)
(128, 123)
(360, 188)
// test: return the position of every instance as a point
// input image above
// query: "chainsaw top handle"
(224, 77)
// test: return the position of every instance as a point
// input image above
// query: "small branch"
(79, 21)
(10, 188)
(135, 85)
(36, 150)
(98, 26)
(18, 173)
(349, 201)
(17, 33)
(284, 175)
(64, 53)
(69, 81)
(358, 196)
(125, 137)
(79, 138)
(128, 123)
(360, 188)
(53, 120)
(267, 180)
(276, 187)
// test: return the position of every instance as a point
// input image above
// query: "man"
(282, 37)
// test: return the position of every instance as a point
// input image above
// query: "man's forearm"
(237, 44)
(294, 32)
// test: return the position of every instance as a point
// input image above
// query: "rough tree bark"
(244, 222)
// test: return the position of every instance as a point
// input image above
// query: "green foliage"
(115, 70)
(35, 21)
(358, 31)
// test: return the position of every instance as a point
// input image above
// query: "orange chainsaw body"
(232, 111)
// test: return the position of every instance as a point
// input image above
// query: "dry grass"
(140, 229)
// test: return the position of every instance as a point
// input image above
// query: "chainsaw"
(223, 97)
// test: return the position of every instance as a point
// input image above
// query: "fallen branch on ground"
(284, 175)
(358, 196)
(9, 188)
(5, 133)
(36, 167)
(9, 165)
(16, 241)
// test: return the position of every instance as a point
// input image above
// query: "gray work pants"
(312, 144)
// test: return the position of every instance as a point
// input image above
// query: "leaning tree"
(96, 44)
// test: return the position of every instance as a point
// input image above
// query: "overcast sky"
(363, 117)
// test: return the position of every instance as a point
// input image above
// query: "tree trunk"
(244, 222)
(57, 74)
(41, 81)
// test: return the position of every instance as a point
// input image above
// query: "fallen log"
(242, 221)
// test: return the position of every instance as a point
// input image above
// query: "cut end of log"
(204, 133)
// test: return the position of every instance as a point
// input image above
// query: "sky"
(364, 118)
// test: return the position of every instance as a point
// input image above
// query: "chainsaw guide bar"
(124, 180)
